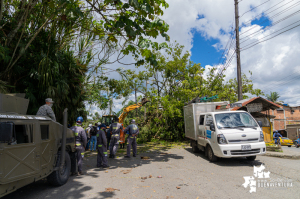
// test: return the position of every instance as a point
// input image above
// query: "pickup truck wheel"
(251, 158)
(60, 176)
(210, 154)
(195, 149)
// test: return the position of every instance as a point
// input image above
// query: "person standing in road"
(133, 131)
(276, 136)
(81, 140)
(88, 135)
(46, 109)
(93, 142)
(101, 146)
(115, 138)
(108, 136)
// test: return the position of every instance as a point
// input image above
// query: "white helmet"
(99, 123)
(90, 125)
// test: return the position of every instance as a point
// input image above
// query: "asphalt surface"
(292, 149)
(183, 175)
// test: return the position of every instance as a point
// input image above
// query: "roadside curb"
(285, 156)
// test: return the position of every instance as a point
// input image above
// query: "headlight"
(261, 137)
(221, 139)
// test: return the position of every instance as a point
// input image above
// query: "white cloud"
(271, 62)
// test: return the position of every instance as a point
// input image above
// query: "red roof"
(244, 103)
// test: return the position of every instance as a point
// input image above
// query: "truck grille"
(244, 140)
(246, 152)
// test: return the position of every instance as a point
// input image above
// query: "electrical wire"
(272, 17)
(253, 8)
(275, 23)
(265, 12)
(254, 44)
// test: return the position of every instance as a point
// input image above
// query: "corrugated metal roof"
(247, 101)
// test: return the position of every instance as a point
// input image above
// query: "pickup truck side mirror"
(6, 132)
(212, 127)
(259, 123)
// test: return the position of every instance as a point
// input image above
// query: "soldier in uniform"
(115, 137)
(101, 146)
(46, 109)
(81, 140)
(131, 140)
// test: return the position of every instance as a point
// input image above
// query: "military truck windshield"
(234, 120)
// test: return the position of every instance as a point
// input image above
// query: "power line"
(249, 21)
(269, 18)
(254, 44)
(275, 23)
(254, 8)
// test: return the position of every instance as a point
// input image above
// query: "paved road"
(292, 149)
(178, 167)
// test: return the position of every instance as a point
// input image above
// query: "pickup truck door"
(201, 131)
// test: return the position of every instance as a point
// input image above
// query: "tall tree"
(273, 96)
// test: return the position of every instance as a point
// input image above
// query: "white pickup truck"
(213, 128)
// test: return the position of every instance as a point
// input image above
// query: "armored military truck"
(32, 147)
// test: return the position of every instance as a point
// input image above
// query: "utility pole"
(136, 111)
(238, 57)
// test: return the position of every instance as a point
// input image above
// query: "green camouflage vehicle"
(31, 146)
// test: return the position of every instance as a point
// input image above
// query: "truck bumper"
(235, 150)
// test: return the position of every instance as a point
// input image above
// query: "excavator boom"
(130, 108)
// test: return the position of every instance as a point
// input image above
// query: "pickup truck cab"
(225, 134)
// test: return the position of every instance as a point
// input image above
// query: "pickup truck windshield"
(234, 120)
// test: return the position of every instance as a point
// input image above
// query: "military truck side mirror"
(212, 127)
(6, 132)
(259, 123)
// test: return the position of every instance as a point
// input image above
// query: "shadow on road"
(242, 161)
(76, 189)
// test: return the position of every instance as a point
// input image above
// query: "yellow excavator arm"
(130, 108)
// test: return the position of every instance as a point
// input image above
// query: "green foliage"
(176, 80)
(273, 96)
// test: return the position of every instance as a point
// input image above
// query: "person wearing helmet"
(46, 109)
(276, 136)
(115, 137)
(98, 126)
(81, 140)
(101, 147)
(133, 131)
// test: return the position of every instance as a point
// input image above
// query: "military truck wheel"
(251, 158)
(195, 148)
(60, 176)
(210, 154)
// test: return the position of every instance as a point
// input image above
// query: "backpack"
(93, 131)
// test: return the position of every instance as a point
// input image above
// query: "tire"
(289, 145)
(210, 154)
(195, 148)
(251, 158)
(60, 177)
(296, 144)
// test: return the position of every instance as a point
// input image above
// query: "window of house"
(201, 120)
(24, 133)
(44, 132)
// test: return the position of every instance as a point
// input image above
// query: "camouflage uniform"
(131, 140)
(102, 151)
(115, 137)
(46, 110)
(81, 140)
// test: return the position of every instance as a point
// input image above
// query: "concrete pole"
(238, 57)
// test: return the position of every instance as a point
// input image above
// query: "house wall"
(285, 117)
